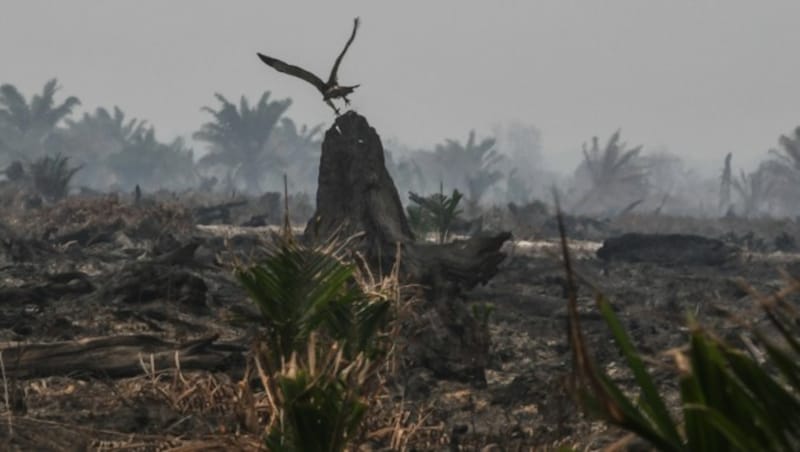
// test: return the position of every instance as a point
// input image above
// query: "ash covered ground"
(88, 267)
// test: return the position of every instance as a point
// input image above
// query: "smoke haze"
(700, 78)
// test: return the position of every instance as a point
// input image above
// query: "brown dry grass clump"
(107, 212)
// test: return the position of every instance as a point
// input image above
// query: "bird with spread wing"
(330, 89)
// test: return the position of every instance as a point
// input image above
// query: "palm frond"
(52, 175)
(16, 111)
(241, 132)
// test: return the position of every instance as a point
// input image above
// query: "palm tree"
(754, 189)
(146, 161)
(28, 128)
(292, 138)
(298, 148)
(96, 137)
(111, 130)
(406, 174)
(784, 166)
(238, 137)
(51, 176)
(473, 161)
(788, 157)
(614, 165)
(614, 172)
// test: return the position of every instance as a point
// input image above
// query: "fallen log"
(57, 286)
(667, 249)
(117, 357)
(91, 234)
(162, 278)
(219, 213)
(146, 282)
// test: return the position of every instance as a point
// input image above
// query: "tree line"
(249, 146)
(107, 150)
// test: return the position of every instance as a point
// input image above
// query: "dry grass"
(204, 411)
(74, 214)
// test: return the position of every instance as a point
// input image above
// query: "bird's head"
(339, 91)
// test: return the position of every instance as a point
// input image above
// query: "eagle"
(330, 89)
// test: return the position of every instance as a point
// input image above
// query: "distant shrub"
(51, 176)
(436, 212)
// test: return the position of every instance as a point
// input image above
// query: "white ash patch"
(227, 230)
(582, 248)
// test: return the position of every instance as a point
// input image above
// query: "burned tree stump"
(356, 195)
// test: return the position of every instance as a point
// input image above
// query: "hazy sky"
(700, 78)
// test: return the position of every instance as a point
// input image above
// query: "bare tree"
(725, 184)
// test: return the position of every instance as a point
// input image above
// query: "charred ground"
(105, 266)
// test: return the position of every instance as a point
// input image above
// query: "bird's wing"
(296, 71)
(333, 79)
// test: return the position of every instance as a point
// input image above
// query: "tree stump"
(356, 195)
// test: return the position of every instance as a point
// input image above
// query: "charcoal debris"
(667, 249)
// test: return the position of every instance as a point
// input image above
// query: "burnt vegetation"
(287, 286)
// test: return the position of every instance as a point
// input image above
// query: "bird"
(330, 89)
